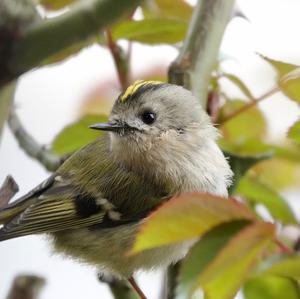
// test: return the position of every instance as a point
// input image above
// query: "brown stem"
(8, 189)
(283, 248)
(120, 61)
(133, 283)
(26, 287)
(250, 104)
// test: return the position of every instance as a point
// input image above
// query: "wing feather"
(53, 211)
(88, 190)
(48, 216)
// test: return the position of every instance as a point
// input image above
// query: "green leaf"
(219, 263)
(240, 164)
(285, 265)
(278, 165)
(290, 85)
(151, 31)
(55, 4)
(236, 259)
(187, 216)
(294, 132)
(288, 78)
(244, 126)
(278, 173)
(240, 84)
(256, 147)
(203, 253)
(282, 68)
(171, 9)
(271, 287)
(256, 190)
(77, 135)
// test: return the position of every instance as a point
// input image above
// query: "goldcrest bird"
(160, 143)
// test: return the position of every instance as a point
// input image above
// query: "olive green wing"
(87, 190)
(57, 208)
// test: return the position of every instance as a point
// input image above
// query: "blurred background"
(52, 97)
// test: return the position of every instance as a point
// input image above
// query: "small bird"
(159, 143)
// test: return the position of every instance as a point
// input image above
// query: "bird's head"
(152, 115)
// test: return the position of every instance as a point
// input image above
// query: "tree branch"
(8, 189)
(26, 287)
(194, 65)
(27, 47)
(197, 58)
(121, 61)
(30, 145)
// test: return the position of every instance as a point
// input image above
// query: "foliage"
(235, 246)
(76, 135)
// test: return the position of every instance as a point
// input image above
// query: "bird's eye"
(148, 117)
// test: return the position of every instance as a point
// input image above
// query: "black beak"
(112, 127)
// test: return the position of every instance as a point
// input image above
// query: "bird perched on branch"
(160, 143)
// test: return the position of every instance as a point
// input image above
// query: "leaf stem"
(250, 104)
(283, 248)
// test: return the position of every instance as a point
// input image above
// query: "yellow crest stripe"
(135, 87)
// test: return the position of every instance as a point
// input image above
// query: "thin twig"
(129, 49)
(31, 146)
(26, 287)
(120, 60)
(283, 248)
(8, 189)
(250, 104)
(136, 287)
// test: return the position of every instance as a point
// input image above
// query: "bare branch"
(120, 60)
(8, 189)
(31, 146)
(26, 48)
(197, 58)
(26, 287)
(15, 16)
(193, 67)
